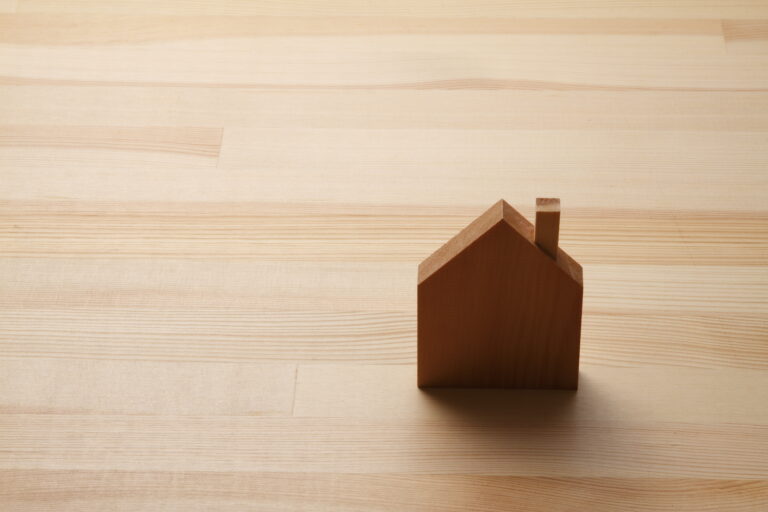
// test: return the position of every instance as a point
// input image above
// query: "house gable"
(500, 212)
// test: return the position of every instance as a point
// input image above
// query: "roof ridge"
(500, 211)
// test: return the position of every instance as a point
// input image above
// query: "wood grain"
(551, 447)
(605, 394)
(336, 232)
(74, 386)
(721, 111)
(211, 214)
(194, 141)
(451, 8)
(66, 28)
(746, 36)
(133, 490)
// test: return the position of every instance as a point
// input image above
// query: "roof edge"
(462, 240)
(501, 211)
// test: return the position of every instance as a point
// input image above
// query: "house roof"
(499, 212)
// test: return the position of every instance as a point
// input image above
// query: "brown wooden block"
(496, 310)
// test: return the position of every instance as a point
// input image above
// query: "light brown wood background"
(211, 218)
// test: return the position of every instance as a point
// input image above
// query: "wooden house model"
(499, 305)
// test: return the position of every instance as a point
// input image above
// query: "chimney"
(548, 224)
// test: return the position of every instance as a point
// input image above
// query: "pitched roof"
(499, 212)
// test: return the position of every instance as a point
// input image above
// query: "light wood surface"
(212, 212)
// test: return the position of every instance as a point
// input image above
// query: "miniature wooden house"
(499, 305)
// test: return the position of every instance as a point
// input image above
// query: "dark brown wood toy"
(499, 305)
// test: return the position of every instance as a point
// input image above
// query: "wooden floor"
(212, 211)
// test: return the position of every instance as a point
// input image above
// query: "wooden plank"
(181, 284)
(343, 445)
(330, 286)
(386, 109)
(748, 36)
(337, 232)
(748, 29)
(583, 171)
(102, 152)
(205, 142)
(164, 388)
(67, 28)
(233, 335)
(453, 8)
(392, 62)
(8, 6)
(254, 335)
(605, 396)
(34, 490)
(695, 340)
